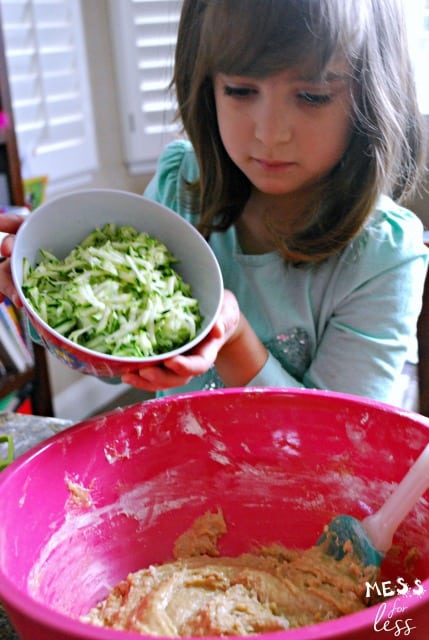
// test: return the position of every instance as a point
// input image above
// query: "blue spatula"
(371, 537)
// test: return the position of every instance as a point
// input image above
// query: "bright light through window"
(417, 12)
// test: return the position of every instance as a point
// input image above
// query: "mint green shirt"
(347, 324)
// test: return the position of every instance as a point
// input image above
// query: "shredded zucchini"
(116, 293)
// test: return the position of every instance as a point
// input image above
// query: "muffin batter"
(201, 594)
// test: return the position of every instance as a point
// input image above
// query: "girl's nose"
(273, 123)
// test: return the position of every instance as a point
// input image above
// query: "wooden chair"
(423, 346)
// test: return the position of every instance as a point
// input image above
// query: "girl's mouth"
(273, 165)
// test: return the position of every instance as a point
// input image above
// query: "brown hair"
(262, 37)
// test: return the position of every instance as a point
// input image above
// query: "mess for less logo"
(392, 616)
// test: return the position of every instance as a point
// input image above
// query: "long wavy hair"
(259, 38)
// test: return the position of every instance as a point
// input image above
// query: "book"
(6, 360)
(12, 349)
(17, 324)
(9, 402)
(18, 401)
(25, 406)
(9, 317)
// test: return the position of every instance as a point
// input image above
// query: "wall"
(420, 204)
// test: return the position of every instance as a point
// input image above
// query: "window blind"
(417, 15)
(49, 85)
(144, 36)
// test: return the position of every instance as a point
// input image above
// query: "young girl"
(302, 135)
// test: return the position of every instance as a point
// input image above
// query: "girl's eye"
(238, 92)
(315, 99)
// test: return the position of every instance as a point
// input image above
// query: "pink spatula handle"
(382, 525)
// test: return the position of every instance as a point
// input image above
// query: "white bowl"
(62, 223)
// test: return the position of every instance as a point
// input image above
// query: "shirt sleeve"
(272, 374)
(176, 167)
(369, 310)
(377, 300)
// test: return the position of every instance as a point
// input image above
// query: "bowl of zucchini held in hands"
(111, 281)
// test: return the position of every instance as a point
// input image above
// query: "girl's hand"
(232, 345)
(9, 223)
(178, 371)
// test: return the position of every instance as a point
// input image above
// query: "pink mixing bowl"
(112, 494)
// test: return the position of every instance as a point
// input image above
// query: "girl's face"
(287, 131)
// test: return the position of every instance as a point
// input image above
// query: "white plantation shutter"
(144, 36)
(49, 85)
(417, 12)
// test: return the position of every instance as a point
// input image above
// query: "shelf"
(13, 381)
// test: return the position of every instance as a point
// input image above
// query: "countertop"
(7, 632)
(27, 431)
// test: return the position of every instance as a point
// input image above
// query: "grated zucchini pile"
(116, 293)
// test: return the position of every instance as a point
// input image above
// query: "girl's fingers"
(9, 224)
(6, 246)
(178, 371)
(155, 379)
(191, 365)
(7, 288)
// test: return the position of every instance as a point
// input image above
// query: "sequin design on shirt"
(291, 348)
(212, 380)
